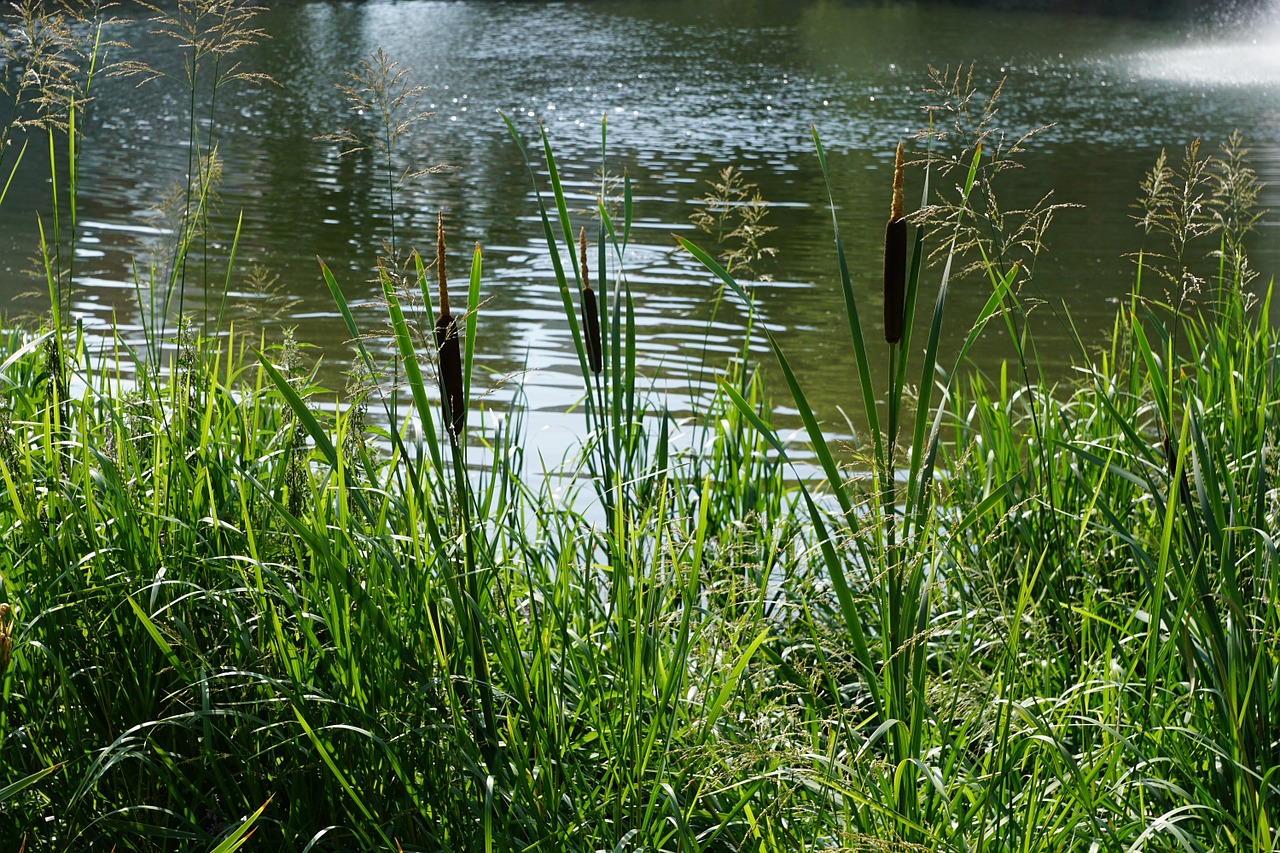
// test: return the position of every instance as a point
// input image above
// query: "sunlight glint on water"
(1247, 53)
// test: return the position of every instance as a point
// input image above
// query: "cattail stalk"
(455, 413)
(895, 258)
(590, 312)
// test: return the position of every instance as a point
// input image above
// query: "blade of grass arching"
(629, 364)
(1000, 288)
(731, 683)
(1158, 389)
(909, 313)
(627, 210)
(608, 228)
(1106, 465)
(473, 313)
(231, 264)
(11, 488)
(425, 290)
(855, 322)
(14, 170)
(154, 632)
(55, 301)
(54, 272)
(345, 310)
(557, 263)
(22, 352)
(412, 370)
(308, 420)
(1213, 512)
(747, 790)
(341, 777)
(748, 411)
(1140, 448)
(1163, 560)
(241, 834)
(816, 437)
(1142, 558)
(557, 192)
(300, 410)
(13, 789)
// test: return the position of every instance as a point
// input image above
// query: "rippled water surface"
(687, 88)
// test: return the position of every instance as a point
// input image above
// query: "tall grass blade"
(242, 833)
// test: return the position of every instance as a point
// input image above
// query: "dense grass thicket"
(240, 611)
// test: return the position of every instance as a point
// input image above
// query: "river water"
(687, 88)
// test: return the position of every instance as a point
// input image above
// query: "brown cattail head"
(895, 258)
(590, 310)
(440, 274)
(455, 412)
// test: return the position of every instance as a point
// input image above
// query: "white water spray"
(1248, 54)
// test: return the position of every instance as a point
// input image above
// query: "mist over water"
(1242, 51)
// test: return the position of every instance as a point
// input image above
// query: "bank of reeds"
(1025, 618)
(223, 615)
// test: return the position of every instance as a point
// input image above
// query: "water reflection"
(687, 88)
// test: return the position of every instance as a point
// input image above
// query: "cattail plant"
(590, 312)
(455, 413)
(895, 258)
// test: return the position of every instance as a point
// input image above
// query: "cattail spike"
(899, 172)
(440, 272)
(590, 310)
(895, 257)
(591, 324)
(451, 390)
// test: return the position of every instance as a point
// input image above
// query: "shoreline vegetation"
(1025, 616)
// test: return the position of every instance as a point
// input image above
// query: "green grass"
(1024, 617)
